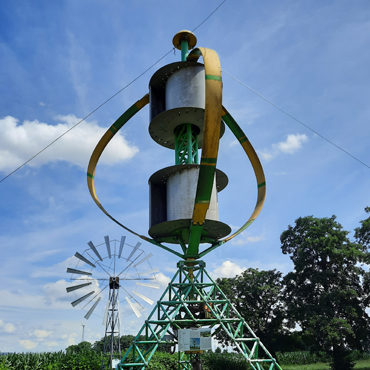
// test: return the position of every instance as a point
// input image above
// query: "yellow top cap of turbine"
(184, 35)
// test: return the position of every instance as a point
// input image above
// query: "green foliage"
(224, 361)
(125, 340)
(362, 233)
(257, 295)
(4, 363)
(78, 348)
(163, 361)
(300, 358)
(80, 360)
(324, 293)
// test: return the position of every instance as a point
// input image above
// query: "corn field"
(88, 360)
(92, 360)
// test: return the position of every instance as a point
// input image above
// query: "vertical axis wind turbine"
(186, 115)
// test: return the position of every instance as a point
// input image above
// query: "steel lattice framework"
(193, 299)
(186, 144)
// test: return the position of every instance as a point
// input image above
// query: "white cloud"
(42, 104)
(265, 155)
(24, 301)
(243, 239)
(19, 142)
(71, 339)
(280, 173)
(8, 328)
(227, 269)
(58, 269)
(28, 344)
(57, 291)
(291, 144)
(162, 280)
(51, 344)
(41, 333)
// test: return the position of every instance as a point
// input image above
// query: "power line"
(209, 16)
(83, 119)
(296, 119)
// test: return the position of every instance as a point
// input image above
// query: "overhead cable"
(118, 92)
(296, 119)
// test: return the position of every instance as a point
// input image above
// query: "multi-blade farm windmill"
(113, 267)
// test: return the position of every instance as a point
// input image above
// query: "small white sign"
(194, 339)
(115, 363)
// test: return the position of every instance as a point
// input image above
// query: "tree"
(362, 234)
(125, 341)
(325, 293)
(257, 296)
(79, 348)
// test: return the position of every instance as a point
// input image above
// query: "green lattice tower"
(186, 144)
(193, 299)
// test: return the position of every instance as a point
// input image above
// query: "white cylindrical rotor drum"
(181, 191)
(186, 88)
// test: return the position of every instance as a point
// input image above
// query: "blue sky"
(60, 60)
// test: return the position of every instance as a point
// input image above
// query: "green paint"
(163, 247)
(205, 183)
(186, 144)
(213, 77)
(262, 184)
(184, 50)
(209, 160)
(195, 236)
(194, 55)
(90, 175)
(125, 117)
(243, 140)
(210, 249)
(186, 291)
(233, 126)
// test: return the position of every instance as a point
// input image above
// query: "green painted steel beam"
(188, 289)
(186, 144)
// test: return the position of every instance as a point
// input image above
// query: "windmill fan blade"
(149, 285)
(134, 250)
(79, 300)
(73, 271)
(144, 259)
(107, 243)
(106, 314)
(123, 238)
(82, 258)
(149, 272)
(91, 310)
(72, 288)
(146, 299)
(92, 247)
(137, 313)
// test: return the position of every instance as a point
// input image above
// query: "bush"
(224, 361)
(163, 361)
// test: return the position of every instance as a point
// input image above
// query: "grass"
(360, 365)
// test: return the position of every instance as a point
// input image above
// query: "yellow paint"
(104, 141)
